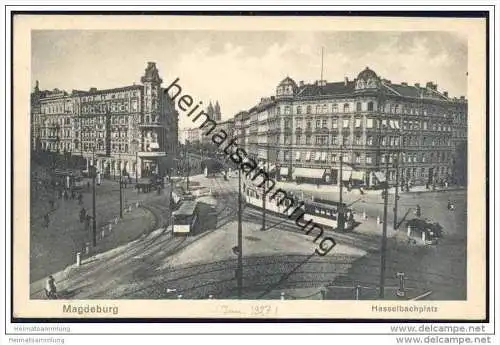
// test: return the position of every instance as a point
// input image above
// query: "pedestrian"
(88, 185)
(80, 199)
(83, 214)
(50, 288)
(46, 220)
(73, 195)
(87, 222)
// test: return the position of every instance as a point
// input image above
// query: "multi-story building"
(191, 135)
(131, 129)
(373, 125)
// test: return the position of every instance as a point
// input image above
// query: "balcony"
(298, 130)
(149, 124)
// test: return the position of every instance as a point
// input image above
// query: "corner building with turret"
(131, 130)
(375, 126)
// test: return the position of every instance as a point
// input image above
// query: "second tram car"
(186, 219)
(320, 212)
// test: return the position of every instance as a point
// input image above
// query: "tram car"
(186, 219)
(324, 213)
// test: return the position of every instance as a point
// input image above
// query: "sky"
(238, 68)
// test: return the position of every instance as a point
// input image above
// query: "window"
(308, 109)
(335, 108)
(370, 106)
(369, 140)
(358, 123)
(357, 140)
(345, 123)
(323, 123)
(308, 156)
(358, 106)
(346, 108)
(368, 160)
(308, 124)
(297, 156)
(369, 123)
(299, 109)
(298, 123)
(335, 140)
(318, 123)
(323, 156)
(308, 140)
(357, 158)
(346, 158)
(345, 141)
(278, 110)
(298, 139)
(334, 157)
(287, 110)
(334, 123)
(318, 109)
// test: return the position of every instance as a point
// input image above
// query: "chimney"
(417, 85)
(301, 83)
(93, 89)
(445, 93)
(462, 98)
(346, 80)
(404, 83)
(429, 85)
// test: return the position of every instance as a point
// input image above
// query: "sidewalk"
(310, 188)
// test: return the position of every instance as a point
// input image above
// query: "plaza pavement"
(55, 247)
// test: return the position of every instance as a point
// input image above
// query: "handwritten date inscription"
(253, 310)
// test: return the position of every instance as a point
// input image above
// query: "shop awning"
(284, 171)
(154, 146)
(358, 175)
(346, 175)
(380, 176)
(309, 173)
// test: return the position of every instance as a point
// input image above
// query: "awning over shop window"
(284, 171)
(309, 173)
(380, 176)
(346, 175)
(358, 175)
(154, 146)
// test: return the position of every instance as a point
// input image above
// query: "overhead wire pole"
(120, 182)
(264, 193)
(398, 158)
(240, 240)
(94, 173)
(383, 248)
(340, 217)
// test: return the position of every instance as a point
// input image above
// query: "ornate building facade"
(131, 129)
(370, 123)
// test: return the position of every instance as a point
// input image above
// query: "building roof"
(336, 88)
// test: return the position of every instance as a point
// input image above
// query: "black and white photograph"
(319, 166)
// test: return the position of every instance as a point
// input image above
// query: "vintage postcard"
(244, 167)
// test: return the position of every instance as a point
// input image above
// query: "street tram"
(321, 212)
(186, 219)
